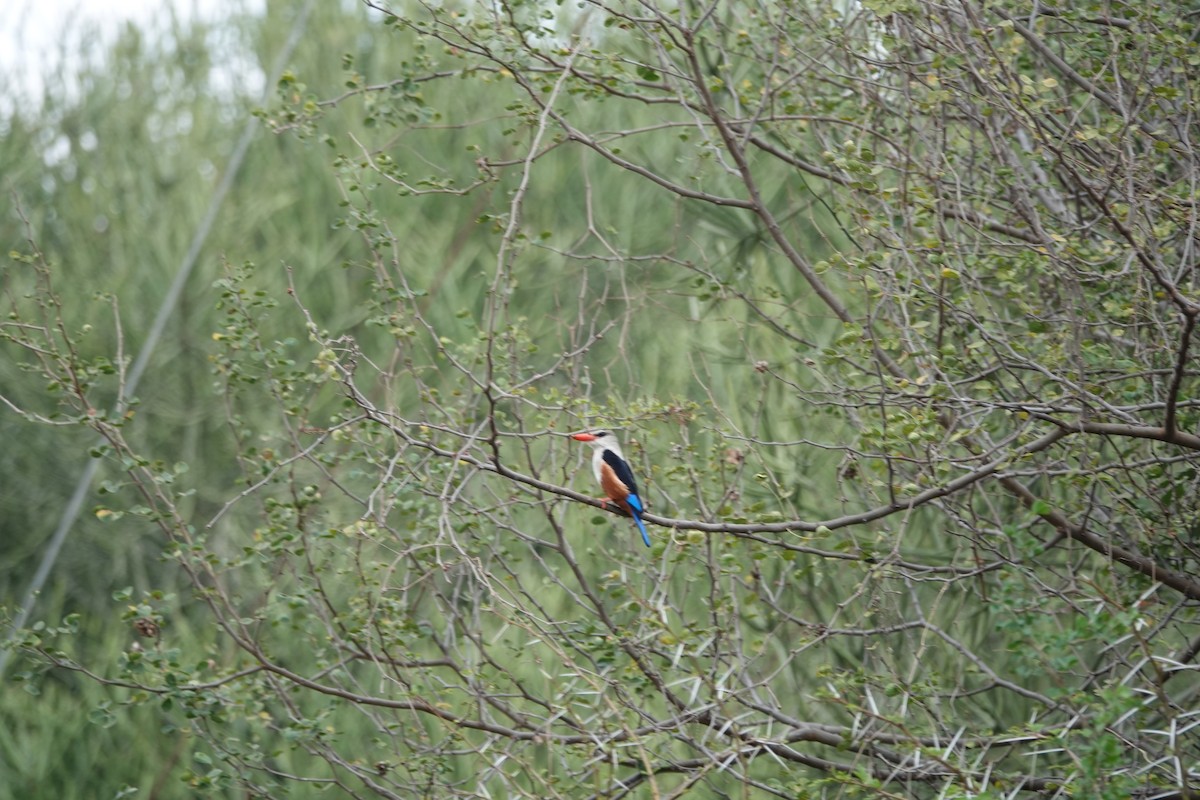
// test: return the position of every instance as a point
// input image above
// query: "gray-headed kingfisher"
(615, 476)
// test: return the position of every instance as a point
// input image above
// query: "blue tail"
(635, 510)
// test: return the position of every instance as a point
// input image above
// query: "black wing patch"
(622, 471)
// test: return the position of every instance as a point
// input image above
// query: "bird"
(615, 476)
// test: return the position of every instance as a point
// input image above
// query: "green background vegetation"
(347, 258)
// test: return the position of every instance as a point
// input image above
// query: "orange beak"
(584, 437)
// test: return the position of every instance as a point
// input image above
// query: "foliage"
(893, 305)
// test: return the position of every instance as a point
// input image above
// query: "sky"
(32, 31)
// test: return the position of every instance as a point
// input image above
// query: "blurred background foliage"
(364, 245)
(110, 171)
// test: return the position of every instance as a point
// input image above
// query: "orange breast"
(612, 485)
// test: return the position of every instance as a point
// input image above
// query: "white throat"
(598, 447)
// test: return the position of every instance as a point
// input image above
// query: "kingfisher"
(615, 476)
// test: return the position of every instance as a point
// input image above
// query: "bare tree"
(922, 470)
